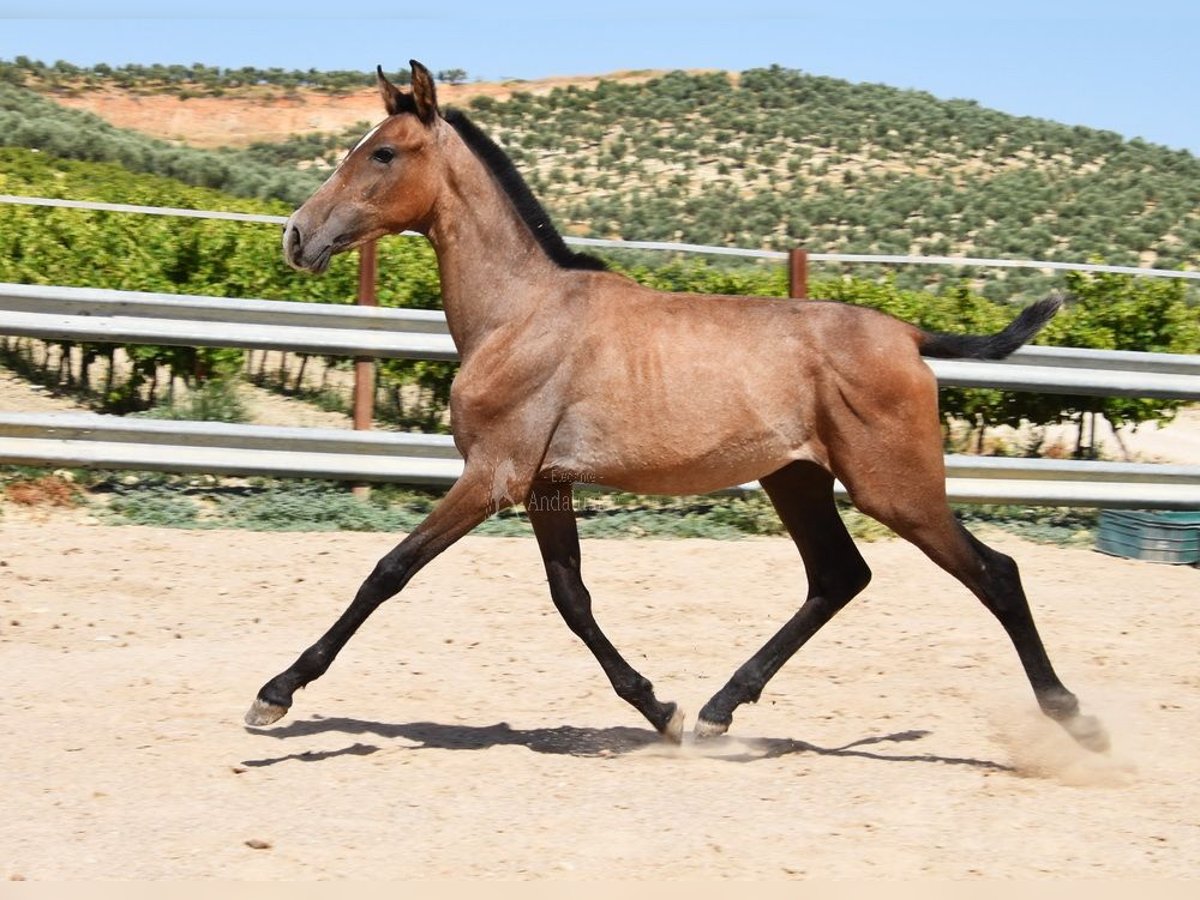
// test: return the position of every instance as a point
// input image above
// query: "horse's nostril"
(292, 240)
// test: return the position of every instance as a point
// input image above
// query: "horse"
(572, 374)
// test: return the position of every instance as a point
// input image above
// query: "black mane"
(532, 213)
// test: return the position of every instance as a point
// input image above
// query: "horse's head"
(384, 185)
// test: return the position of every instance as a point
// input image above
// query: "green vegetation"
(791, 159)
(190, 81)
(190, 256)
(256, 504)
(781, 159)
(40, 245)
(1044, 524)
(1106, 312)
(215, 400)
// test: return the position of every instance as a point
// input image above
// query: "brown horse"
(575, 374)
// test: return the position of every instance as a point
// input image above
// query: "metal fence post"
(798, 273)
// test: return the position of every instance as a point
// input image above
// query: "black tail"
(993, 346)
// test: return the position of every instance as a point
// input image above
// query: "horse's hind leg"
(908, 495)
(802, 494)
(553, 519)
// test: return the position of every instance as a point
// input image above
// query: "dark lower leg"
(389, 577)
(748, 681)
(997, 583)
(572, 600)
(994, 578)
(553, 520)
(802, 494)
(461, 510)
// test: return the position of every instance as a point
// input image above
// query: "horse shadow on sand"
(572, 740)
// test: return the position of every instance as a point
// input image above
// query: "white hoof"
(1089, 732)
(673, 731)
(262, 713)
(706, 729)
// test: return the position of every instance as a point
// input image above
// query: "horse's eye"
(384, 155)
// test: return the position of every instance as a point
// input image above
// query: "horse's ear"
(394, 99)
(424, 94)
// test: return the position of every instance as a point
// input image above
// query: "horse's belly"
(675, 466)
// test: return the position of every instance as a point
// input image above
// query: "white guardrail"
(91, 314)
(87, 314)
(113, 442)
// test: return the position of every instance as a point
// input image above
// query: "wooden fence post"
(798, 274)
(364, 366)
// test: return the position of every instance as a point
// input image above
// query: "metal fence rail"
(87, 314)
(112, 442)
(90, 314)
(105, 316)
(115, 442)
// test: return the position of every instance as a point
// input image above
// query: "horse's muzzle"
(302, 254)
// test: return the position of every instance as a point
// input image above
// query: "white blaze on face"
(366, 137)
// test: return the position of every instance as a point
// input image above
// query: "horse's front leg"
(472, 499)
(553, 519)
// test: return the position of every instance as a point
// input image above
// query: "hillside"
(768, 158)
(264, 114)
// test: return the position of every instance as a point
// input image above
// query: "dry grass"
(56, 490)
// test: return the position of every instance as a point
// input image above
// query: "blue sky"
(1131, 67)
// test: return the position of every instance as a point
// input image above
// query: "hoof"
(1089, 733)
(707, 729)
(673, 730)
(262, 713)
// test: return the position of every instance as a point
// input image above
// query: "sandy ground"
(465, 732)
(264, 407)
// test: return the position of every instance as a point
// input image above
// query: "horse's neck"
(493, 271)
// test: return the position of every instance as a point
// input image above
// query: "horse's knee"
(390, 574)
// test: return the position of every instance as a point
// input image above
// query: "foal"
(574, 374)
